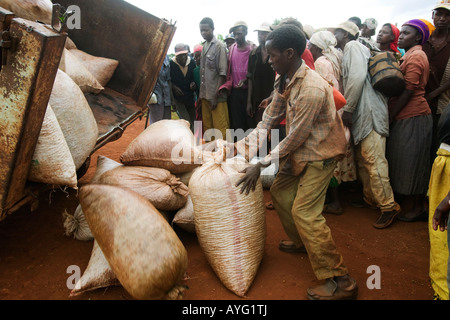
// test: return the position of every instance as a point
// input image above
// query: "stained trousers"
(299, 202)
(373, 170)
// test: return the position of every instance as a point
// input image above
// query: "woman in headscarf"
(409, 142)
(327, 62)
(387, 39)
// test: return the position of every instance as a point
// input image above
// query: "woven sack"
(78, 73)
(101, 68)
(159, 186)
(142, 249)
(386, 75)
(75, 117)
(33, 10)
(230, 226)
(184, 218)
(52, 162)
(76, 224)
(167, 144)
(98, 274)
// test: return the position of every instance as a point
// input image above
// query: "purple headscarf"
(421, 26)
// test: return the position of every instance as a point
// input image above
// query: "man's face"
(277, 59)
(441, 18)
(182, 58)
(262, 35)
(366, 32)
(206, 32)
(339, 34)
(239, 35)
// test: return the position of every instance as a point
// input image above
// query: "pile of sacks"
(69, 130)
(163, 167)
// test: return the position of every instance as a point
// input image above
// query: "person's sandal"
(331, 291)
(290, 247)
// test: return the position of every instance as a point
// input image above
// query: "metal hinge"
(7, 43)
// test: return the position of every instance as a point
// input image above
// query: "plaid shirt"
(314, 129)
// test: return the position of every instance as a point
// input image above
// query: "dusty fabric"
(439, 256)
(299, 202)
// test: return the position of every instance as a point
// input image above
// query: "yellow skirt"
(438, 189)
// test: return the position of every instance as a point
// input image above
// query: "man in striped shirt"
(315, 140)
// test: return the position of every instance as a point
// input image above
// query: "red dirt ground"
(35, 253)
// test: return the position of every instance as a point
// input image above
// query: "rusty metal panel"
(116, 29)
(26, 82)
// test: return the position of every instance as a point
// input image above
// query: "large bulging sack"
(76, 224)
(230, 226)
(101, 68)
(30, 9)
(52, 161)
(75, 117)
(167, 144)
(75, 69)
(142, 249)
(159, 186)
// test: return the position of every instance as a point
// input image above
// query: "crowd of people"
(397, 147)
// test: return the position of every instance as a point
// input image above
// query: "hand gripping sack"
(159, 186)
(166, 144)
(143, 250)
(230, 226)
(386, 75)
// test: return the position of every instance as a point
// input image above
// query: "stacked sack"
(230, 226)
(69, 130)
(135, 195)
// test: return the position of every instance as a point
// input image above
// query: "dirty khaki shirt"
(314, 130)
(213, 64)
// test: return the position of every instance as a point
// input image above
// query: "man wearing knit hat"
(368, 28)
(366, 115)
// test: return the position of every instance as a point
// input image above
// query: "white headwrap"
(326, 41)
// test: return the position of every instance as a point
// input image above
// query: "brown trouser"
(299, 202)
(373, 170)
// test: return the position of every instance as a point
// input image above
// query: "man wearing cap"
(366, 114)
(213, 71)
(229, 40)
(236, 85)
(183, 84)
(261, 76)
(437, 49)
(368, 28)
